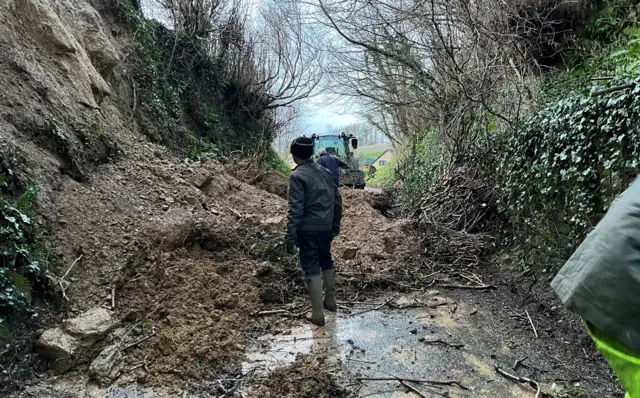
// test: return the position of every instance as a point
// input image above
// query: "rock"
(276, 222)
(90, 327)
(349, 253)
(200, 179)
(44, 23)
(61, 349)
(389, 245)
(107, 366)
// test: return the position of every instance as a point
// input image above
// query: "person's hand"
(291, 247)
(336, 232)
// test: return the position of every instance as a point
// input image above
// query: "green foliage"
(565, 164)
(419, 166)
(385, 176)
(372, 155)
(25, 268)
(277, 162)
(200, 149)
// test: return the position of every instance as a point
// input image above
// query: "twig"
(412, 388)
(113, 298)
(519, 362)
(400, 379)
(371, 309)
(273, 312)
(531, 322)
(519, 379)
(72, 265)
(142, 340)
(481, 287)
(595, 93)
(452, 345)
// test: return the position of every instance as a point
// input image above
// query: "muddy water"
(389, 343)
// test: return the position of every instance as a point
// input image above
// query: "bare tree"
(444, 63)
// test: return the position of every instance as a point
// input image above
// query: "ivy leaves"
(568, 161)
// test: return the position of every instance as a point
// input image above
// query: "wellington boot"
(329, 279)
(314, 286)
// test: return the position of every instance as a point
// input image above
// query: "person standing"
(601, 283)
(313, 220)
(331, 163)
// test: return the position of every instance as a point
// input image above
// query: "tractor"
(338, 145)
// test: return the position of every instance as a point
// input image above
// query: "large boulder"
(107, 366)
(61, 349)
(90, 327)
(76, 340)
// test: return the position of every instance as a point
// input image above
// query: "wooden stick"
(371, 309)
(113, 298)
(481, 287)
(532, 325)
(595, 93)
(412, 388)
(142, 340)
(400, 379)
(272, 312)
(518, 379)
(452, 345)
(72, 265)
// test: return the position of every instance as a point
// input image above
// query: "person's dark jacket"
(332, 164)
(315, 203)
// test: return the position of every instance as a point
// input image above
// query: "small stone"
(413, 331)
(349, 253)
(107, 366)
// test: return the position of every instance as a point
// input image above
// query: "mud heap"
(182, 255)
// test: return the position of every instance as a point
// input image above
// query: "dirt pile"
(261, 176)
(173, 248)
(371, 246)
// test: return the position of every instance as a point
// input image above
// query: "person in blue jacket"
(331, 163)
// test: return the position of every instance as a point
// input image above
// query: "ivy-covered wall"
(569, 161)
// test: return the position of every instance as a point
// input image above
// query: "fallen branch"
(412, 388)
(595, 93)
(452, 345)
(72, 265)
(142, 340)
(480, 287)
(519, 379)
(531, 322)
(434, 382)
(273, 312)
(371, 309)
(519, 362)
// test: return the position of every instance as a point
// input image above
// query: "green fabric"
(624, 362)
(601, 280)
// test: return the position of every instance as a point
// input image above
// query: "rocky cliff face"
(66, 101)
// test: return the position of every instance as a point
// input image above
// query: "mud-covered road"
(405, 327)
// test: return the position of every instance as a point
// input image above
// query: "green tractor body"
(338, 145)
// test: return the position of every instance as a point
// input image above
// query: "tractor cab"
(341, 146)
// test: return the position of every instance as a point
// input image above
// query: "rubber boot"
(314, 286)
(329, 279)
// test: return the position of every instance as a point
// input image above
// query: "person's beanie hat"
(302, 148)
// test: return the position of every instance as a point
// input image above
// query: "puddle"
(390, 343)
